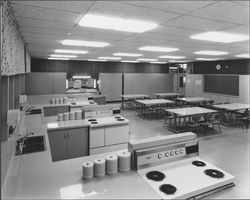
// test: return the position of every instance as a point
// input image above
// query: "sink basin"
(33, 144)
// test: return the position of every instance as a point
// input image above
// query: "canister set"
(70, 116)
(110, 165)
(62, 100)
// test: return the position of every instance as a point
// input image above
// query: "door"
(116, 135)
(77, 142)
(96, 137)
(58, 144)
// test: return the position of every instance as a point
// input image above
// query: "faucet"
(20, 143)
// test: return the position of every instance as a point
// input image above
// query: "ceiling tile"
(171, 6)
(198, 23)
(70, 6)
(225, 11)
(43, 13)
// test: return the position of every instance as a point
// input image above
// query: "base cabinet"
(111, 138)
(68, 143)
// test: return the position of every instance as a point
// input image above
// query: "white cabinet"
(110, 138)
(116, 135)
(96, 137)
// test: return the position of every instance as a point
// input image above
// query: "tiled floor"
(229, 150)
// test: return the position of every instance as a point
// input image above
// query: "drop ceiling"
(44, 24)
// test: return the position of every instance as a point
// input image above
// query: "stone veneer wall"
(14, 58)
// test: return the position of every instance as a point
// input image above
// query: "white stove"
(172, 167)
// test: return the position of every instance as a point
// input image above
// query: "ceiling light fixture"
(178, 61)
(116, 23)
(158, 49)
(109, 58)
(243, 55)
(172, 57)
(222, 37)
(208, 59)
(99, 60)
(54, 58)
(70, 51)
(211, 53)
(85, 43)
(63, 56)
(158, 62)
(147, 59)
(129, 61)
(128, 54)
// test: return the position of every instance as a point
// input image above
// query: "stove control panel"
(165, 155)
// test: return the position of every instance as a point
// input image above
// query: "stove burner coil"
(155, 175)
(120, 119)
(92, 120)
(168, 189)
(198, 163)
(214, 173)
(117, 117)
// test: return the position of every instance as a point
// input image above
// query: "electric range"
(172, 167)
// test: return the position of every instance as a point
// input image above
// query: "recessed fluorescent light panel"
(243, 55)
(211, 53)
(63, 56)
(97, 60)
(54, 58)
(222, 37)
(207, 59)
(85, 43)
(158, 62)
(172, 57)
(116, 23)
(128, 54)
(158, 49)
(81, 77)
(70, 51)
(129, 61)
(109, 58)
(179, 61)
(147, 59)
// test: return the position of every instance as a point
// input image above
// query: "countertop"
(35, 176)
(53, 124)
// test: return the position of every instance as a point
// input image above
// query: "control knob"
(181, 151)
(171, 153)
(176, 152)
(159, 156)
(166, 154)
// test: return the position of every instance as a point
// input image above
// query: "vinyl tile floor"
(229, 150)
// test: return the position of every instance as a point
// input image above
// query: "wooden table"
(230, 114)
(132, 97)
(149, 103)
(187, 112)
(193, 100)
(232, 106)
(169, 94)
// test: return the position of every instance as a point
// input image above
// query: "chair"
(216, 119)
(244, 120)
(168, 119)
(193, 124)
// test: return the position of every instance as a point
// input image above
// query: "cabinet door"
(116, 135)
(77, 142)
(96, 137)
(58, 144)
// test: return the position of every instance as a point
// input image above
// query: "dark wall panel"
(4, 107)
(45, 83)
(78, 67)
(241, 66)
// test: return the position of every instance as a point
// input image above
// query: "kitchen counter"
(34, 176)
(53, 124)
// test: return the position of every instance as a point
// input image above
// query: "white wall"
(193, 88)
